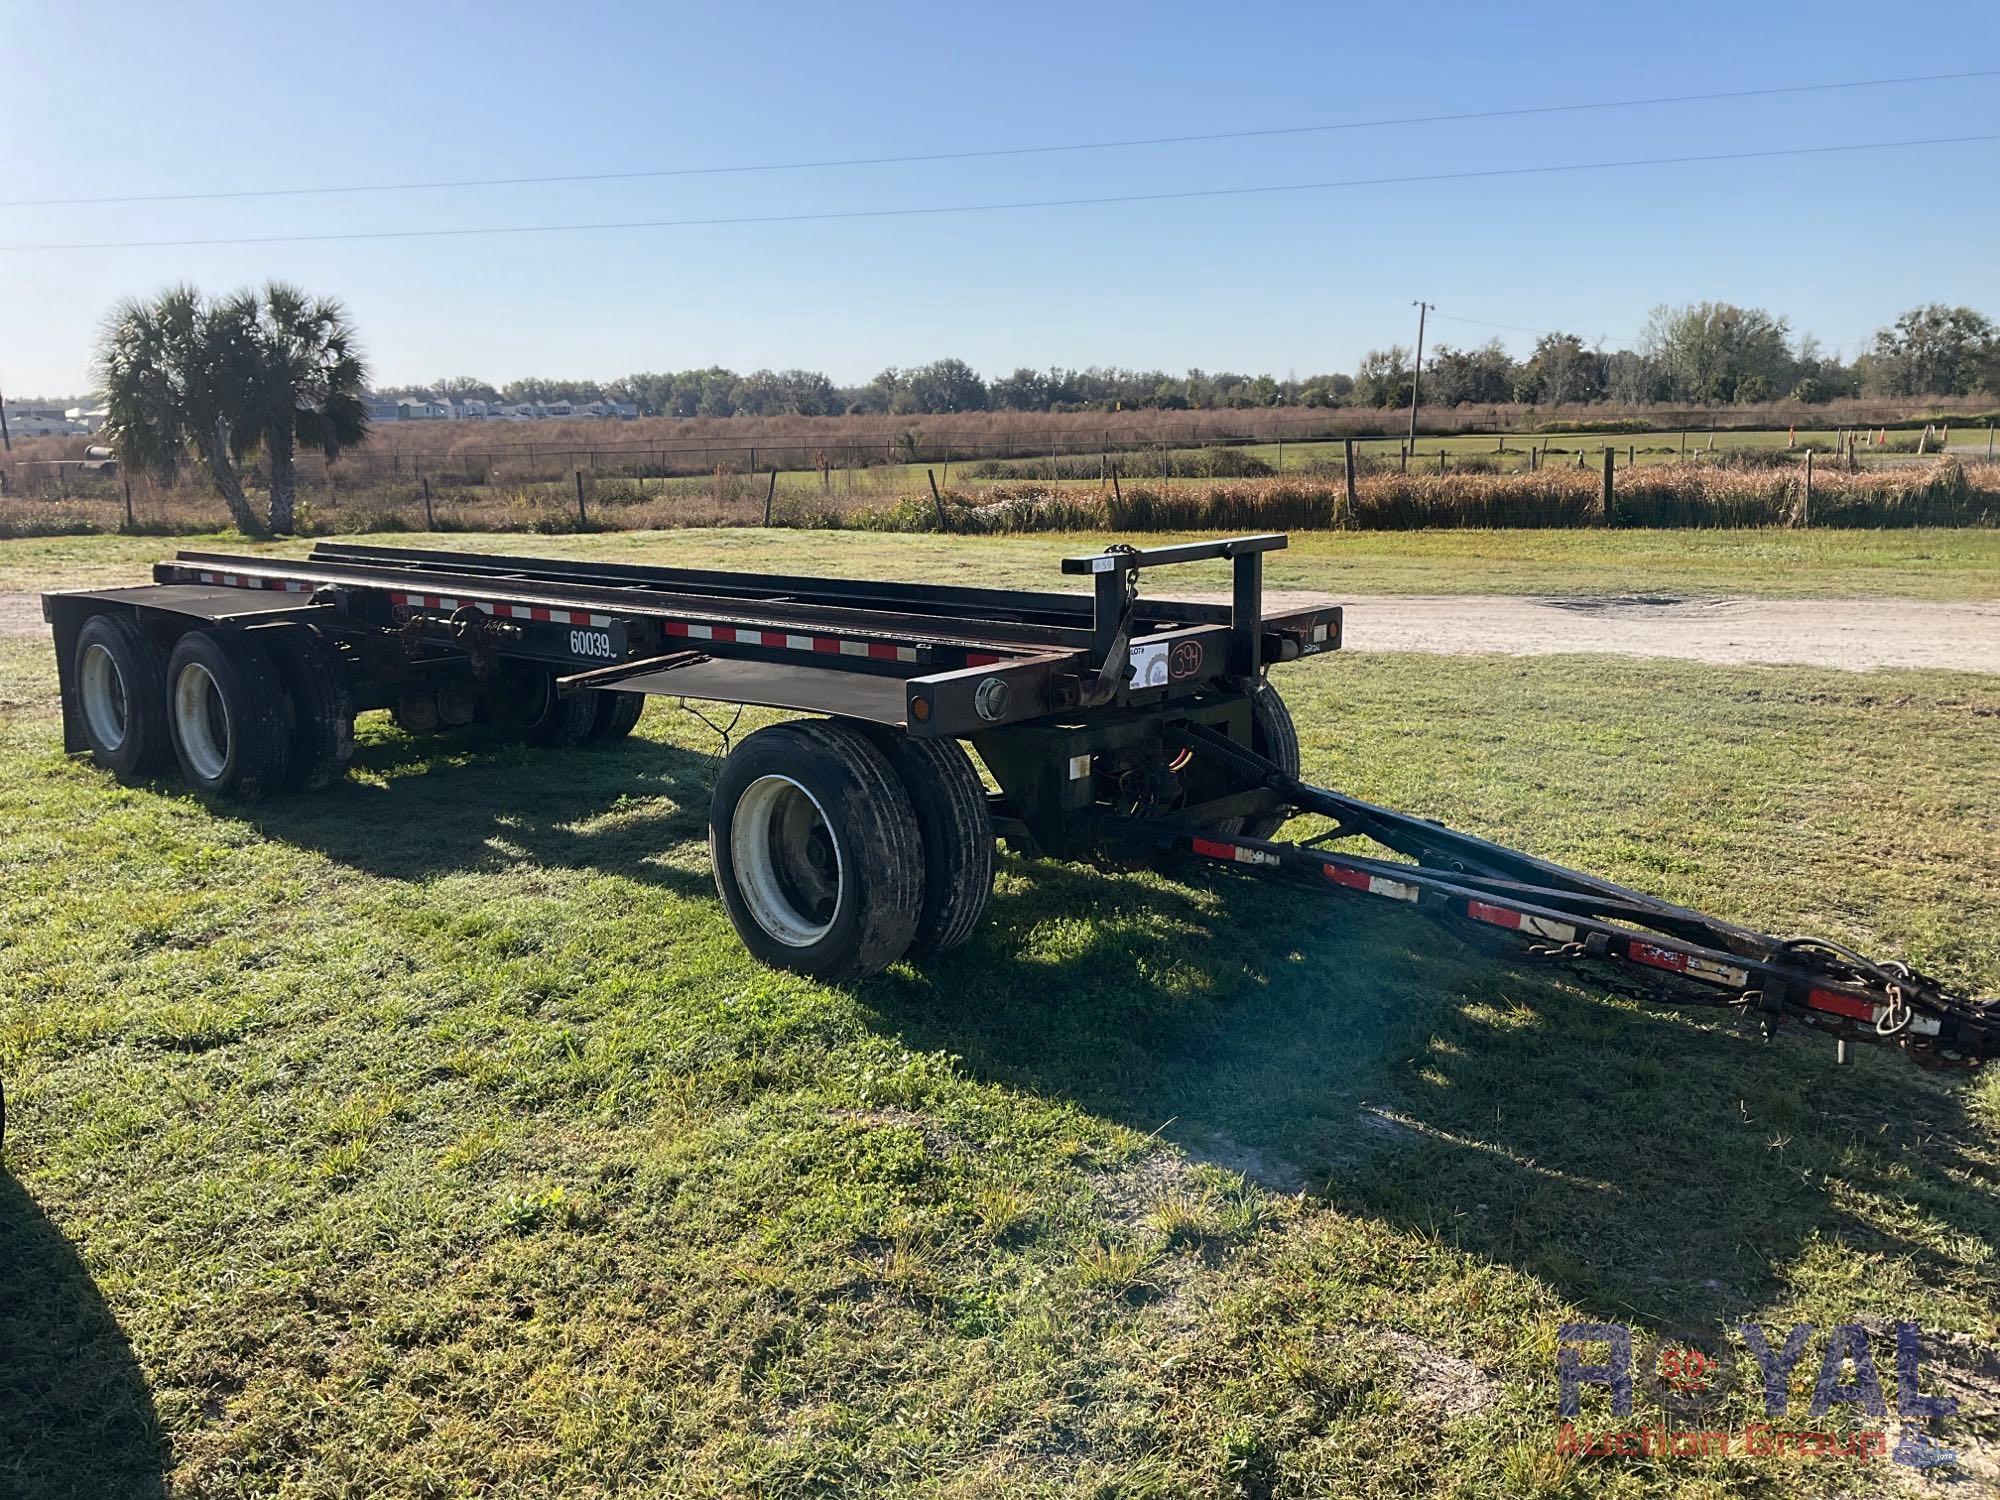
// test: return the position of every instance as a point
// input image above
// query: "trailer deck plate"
(769, 684)
(204, 601)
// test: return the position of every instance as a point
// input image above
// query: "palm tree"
(172, 373)
(309, 387)
(185, 376)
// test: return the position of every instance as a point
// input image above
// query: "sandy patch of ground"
(1852, 633)
(21, 614)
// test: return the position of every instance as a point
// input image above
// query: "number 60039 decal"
(590, 642)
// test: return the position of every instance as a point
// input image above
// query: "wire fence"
(1498, 479)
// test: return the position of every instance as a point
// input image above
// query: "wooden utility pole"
(770, 494)
(937, 499)
(582, 520)
(1348, 445)
(1610, 457)
(6, 441)
(1417, 369)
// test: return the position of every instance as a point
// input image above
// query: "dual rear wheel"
(243, 713)
(839, 847)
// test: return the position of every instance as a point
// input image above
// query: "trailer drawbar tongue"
(1117, 727)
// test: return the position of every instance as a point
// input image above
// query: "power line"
(1000, 151)
(831, 215)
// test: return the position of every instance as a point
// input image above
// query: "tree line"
(1704, 354)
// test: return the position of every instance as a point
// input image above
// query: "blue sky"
(151, 98)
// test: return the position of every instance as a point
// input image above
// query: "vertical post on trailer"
(1107, 602)
(1246, 613)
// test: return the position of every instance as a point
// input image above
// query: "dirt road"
(1852, 633)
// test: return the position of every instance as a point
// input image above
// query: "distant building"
(40, 421)
(479, 409)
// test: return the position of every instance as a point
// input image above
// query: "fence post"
(1440, 462)
(582, 519)
(430, 521)
(128, 499)
(1348, 445)
(770, 494)
(1610, 458)
(1805, 511)
(937, 499)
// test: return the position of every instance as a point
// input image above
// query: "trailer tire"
(617, 715)
(1274, 736)
(322, 707)
(228, 716)
(816, 850)
(121, 696)
(956, 826)
(527, 702)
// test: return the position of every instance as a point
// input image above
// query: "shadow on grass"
(1645, 1163)
(1650, 1165)
(473, 801)
(75, 1414)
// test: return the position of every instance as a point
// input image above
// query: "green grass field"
(433, 1136)
(1914, 563)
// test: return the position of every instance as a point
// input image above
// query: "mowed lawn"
(433, 1135)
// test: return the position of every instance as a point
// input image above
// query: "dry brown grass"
(1690, 494)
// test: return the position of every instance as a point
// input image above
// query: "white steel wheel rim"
(202, 720)
(105, 704)
(786, 860)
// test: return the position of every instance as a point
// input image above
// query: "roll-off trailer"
(1118, 727)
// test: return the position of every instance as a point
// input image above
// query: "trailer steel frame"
(1119, 727)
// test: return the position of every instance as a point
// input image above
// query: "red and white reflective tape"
(1680, 961)
(1857, 1009)
(1374, 885)
(246, 581)
(448, 604)
(831, 645)
(1242, 854)
(1520, 921)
